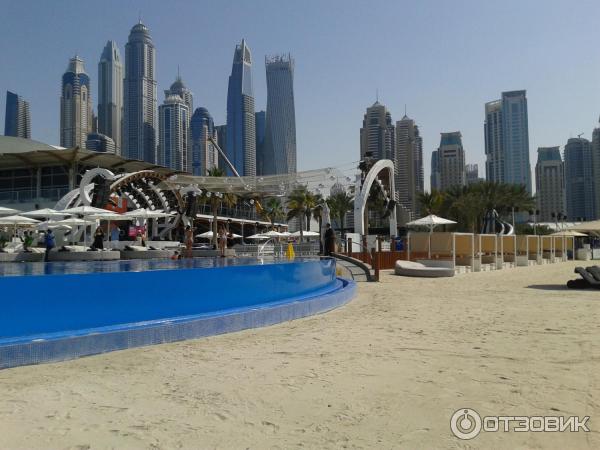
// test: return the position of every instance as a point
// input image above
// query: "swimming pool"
(59, 311)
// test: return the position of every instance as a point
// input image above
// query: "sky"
(441, 59)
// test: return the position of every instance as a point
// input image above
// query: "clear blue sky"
(442, 59)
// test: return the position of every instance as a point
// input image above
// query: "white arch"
(360, 200)
(86, 180)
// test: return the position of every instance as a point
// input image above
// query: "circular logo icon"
(465, 423)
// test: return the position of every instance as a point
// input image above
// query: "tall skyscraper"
(507, 140)
(596, 168)
(173, 117)
(280, 140)
(451, 161)
(221, 131)
(110, 94)
(472, 174)
(75, 105)
(17, 121)
(241, 141)
(579, 180)
(260, 121)
(434, 178)
(179, 88)
(204, 155)
(408, 164)
(140, 117)
(99, 142)
(377, 133)
(549, 183)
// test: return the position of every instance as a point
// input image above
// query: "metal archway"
(384, 167)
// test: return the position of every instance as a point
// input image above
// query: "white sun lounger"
(415, 269)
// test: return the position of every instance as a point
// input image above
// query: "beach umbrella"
(51, 224)
(17, 220)
(273, 233)
(8, 211)
(431, 221)
(258, 237)
(209, 235)
(45, 213)
(144, 213)
(85, 210)
(305, 234)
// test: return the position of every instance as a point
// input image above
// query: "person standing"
(222, 241)
(329, 240)
(50, 243)
(189, 241)
(98, 239)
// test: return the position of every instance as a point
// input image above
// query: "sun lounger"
(414, 269)
(590, 278)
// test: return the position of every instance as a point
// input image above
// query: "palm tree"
(299, 202)
(216, 199)
(312, 201)
(431, 202)
(272, 211)
(340, 203)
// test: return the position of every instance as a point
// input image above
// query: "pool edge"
(71, 347)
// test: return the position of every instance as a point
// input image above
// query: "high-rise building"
(408, 164)
(434, 178)
(260, 121)
(507, 140)
(179, 88)
(451, 161)
(99, 142)
(110, 94)
(204, 155)
(280, 139)
(596, 168)
(472, 174)
(221, 131)
(549, 184)
(241, 141)
(75, 105)
(17, 121)
(140, 96)
(377, 133)
(579, 180)
(173, 126)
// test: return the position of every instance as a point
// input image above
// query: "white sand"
(386, 371)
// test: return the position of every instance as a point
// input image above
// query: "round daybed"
(415, 269)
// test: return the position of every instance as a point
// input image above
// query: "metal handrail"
(363, 247)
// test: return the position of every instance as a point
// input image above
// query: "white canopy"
(209, 235)
(45, 213)
(17, 220)
(305, 234)
(431, 221)
(51, 224)
(592, 226)
(569, 233)
(86, 211)
(258, 237)
(273, 233)
(73, 222)
(8, 211)
(144, 213)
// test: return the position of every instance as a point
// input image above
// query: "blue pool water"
(59, 310)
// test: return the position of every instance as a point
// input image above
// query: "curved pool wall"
(66, 313)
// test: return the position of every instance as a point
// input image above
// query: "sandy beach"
(385, 371)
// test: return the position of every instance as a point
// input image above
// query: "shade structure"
(273, 233)
(431, 221)
(258, 237)
(591, 227)
(17, 220)
(569, 233)
(8, 211)
(305, 234)
(144, 213)
(51, 225)
(85, 210)
(45, 213)
(209, 235)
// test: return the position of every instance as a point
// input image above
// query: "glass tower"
(17, 121)
(241, 139)
(140, 118)
(204, 155)
(110, 94)
(75, 105)
(280, 138)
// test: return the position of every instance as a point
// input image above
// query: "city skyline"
(555, 113)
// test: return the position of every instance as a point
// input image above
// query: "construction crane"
(224, 156)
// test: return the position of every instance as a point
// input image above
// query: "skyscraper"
(17, 121)
(140, 97)
(179, 88)
(241, 139)
(377, 133)
(204, 155)
(221, 131)
(75, 105)
(549, 183)
(434, 178)
(173, 117)
(507, 140)
(110, 94)
(260, 121)
(99, 142)
(472, 174)
(280, 139)
(579, 180)
(408, 164)
(451, 161)
(596, 168)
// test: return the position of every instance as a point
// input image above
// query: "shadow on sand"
(550, 287)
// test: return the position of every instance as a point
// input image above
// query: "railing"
(31, 195)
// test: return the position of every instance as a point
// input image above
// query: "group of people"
(222, 239)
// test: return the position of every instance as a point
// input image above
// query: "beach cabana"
(489, 257)
(431, 221)
(546, 249)
(563, 241)
(509, 250)
(534, 249)
(463, 251)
